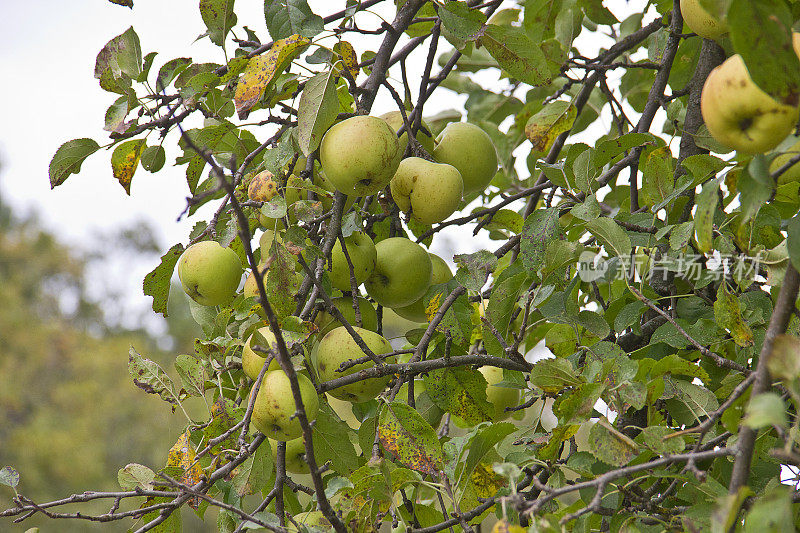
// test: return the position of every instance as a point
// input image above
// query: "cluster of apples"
(737, 113)
(359, 156)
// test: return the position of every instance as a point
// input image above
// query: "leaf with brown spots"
(224, 415)
(544, 127)
(125, 161)
(150, 377)
(522, 58)
(729, 316)
(406, 435)
(611, 446)
(262, 70)
(183, 456)
(349, 57)
(219, 18)
(460, 391)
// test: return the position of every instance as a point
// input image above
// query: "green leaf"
(332, 442)
(282, 282)
(219, 18)
(479, 443)
(607, 150)
(704, 215)
(153, 158)
(225, 414)
(541, 227)
(653, 437)
(120, 58)
(192, 374)
(135, 475)
(289, 17)
(761, 31)
(657, 181)
(156, 282)
(9, 476)
(125, 161)
(613, 238)
(316, 111)
(517, 54)
(793, 241)
(460, 24)
(150, 377)
(576, 406)
(254, 473)
(170, 70)
(502, 302)
(543, 128)
(460, 391)
(554, 375)
(766, 410)
(729, 316)
(611, 446)
(68, 159)
(772, 512)
(407, 436)
(457, 320)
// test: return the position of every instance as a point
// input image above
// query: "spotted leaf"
(406, 435)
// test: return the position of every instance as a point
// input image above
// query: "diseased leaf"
(150, 377)
(9, 476)
(544, 127)
(316, 111)
(156, 282)
(281, 282)
(657, 439)
(125, 3)
(192, 374)
(225, 414)
(407, 436)
(516, 53)
(262, 70)
(68, 159)
(182, 456)
(611, 446)
(460, 24)
(349, 58)
(540, 228)
(554, 375)
(119, 61)
(170, 70)
(474, 269)
(729, 316)
(460, 391)
(125, 161)
(457, 320)
(219, 18)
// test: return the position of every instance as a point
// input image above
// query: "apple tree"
(621, 352)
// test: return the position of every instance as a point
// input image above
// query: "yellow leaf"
(349, 57)
(545, 126)
(182, 456)
(262, 70)
(125, 160)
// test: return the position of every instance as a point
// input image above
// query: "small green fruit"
(402, 273)
(360, 155)
(274, 408)
(209, 273)
(471, 151)
(429, 191)
(337, 347)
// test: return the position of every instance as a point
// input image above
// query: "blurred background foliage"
(70, 415)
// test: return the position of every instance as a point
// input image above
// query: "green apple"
(402, 273)
(369, 318)
(499, 397)
(253, 361)
(430, 192)
(274, 408)
(701, 21)
(309, 519)
(793, 173)
(440, 273)
(395, 120)
(469, 149)
(360, 155)
(209, 273)
(423, 403)
(362, 254)
(295, 455)
(337, 347)
(740, 115)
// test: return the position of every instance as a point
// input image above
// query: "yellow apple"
(362, 254)
(253, 361)
(793, 173)
(430, 192)
(295, 455)
(209, 273)
(740, 115)
(369, 318)
(701, 21)
(395, 121)
(440, 273)
(274, 408)
(499, 397)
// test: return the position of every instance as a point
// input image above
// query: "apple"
(369, 318)
(362, 254)
(295, 455)
(429, 192)
(209, 273)
(740, 115)
(440, 273)
(253, 361)
(793, 173)
(395, 120)
(504, 526)
(499, 397)
(263, 187)
(274, 408)
(337, 347)
(309, 519)
(701, 21)
(360, 155)
(469, 149)
(402, 273)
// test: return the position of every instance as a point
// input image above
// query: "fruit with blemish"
(274, 407)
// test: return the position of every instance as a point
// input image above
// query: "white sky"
(50, 96)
